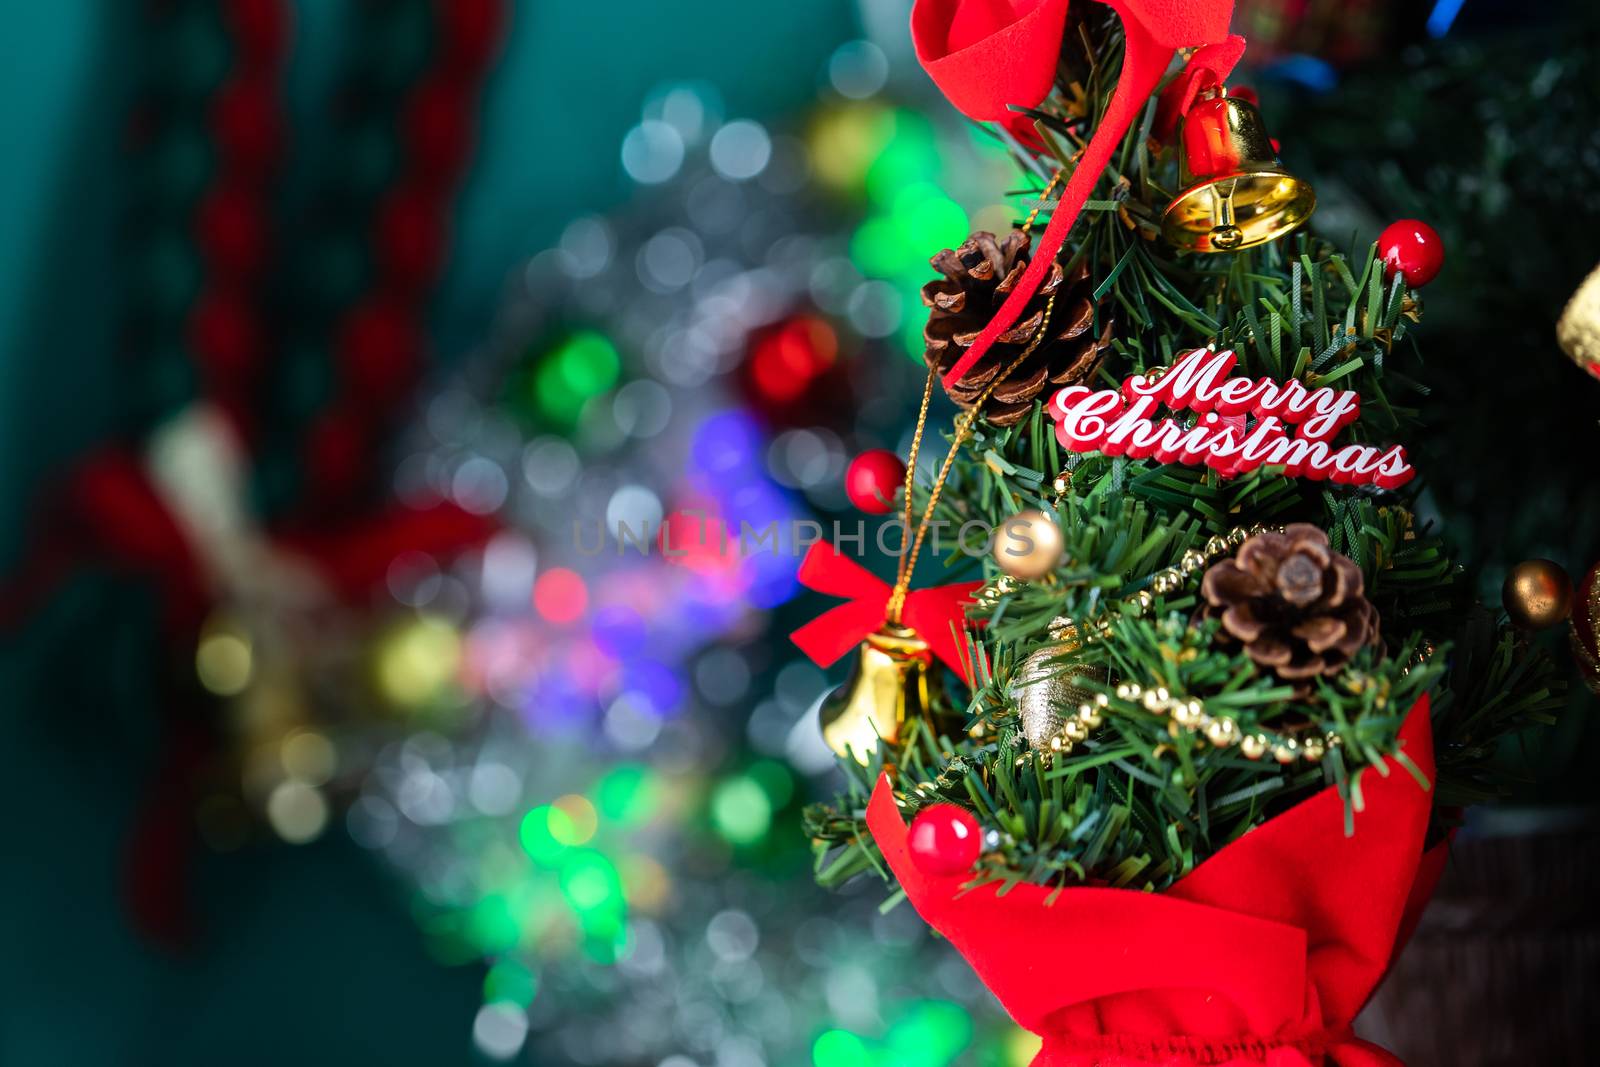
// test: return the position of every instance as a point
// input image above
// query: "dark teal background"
(309, 956)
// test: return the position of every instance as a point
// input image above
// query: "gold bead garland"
(1189, 714)
(1076, 728)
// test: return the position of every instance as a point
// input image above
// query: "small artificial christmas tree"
(1226, 693)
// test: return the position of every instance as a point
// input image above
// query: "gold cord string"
(963, 428)
(908, 558)
(911, 474)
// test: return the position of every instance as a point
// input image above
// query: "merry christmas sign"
(1293, 426)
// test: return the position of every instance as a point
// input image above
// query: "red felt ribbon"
(1262, 955)
(989, 56)
(936, 614)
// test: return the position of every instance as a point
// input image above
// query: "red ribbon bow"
(1262, 955)
(988, 56)
(936, 614)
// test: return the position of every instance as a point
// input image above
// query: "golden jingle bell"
(894, 681)
(1236, 193)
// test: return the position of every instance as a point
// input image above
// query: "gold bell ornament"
(1236, 193)
(903, 639)
(894, 681)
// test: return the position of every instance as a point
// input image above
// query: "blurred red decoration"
(261, 27)
(472, 28)
(560, 596)
(694, 536)
(222, 334)
(945, 840)
(231, 229)
(410, 237)
(335, 452)
(1413, 248)
(378, 353)
(789, 356)
(438, 128)
(247, 123)
(873, 479)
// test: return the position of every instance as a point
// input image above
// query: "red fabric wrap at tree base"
(936, 614)
(990, 56)
(1262, 955)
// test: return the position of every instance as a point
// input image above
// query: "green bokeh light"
(584, 365)
(840, 1048)
(627, 795)
(932, 1034)
(543, 846)
(510, 981)
(911, 155)
(492, 926)
(590, 882)
(741, 810)
(775, 780)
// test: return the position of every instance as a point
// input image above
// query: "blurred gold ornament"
(1236, 193)
(1254, 746)
(1586, 628)
(1028, 545)
(1537, 594)
(1049, 699)
(1578, 329)
(893, 682)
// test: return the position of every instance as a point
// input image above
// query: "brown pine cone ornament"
(978, 277)
(1296, 606)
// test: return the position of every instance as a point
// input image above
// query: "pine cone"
(977, 278)
(1296, 605)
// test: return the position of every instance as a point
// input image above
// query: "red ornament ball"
(873, 479)
(945, 840)
(1413, 248)
(248, 123)
(231, 229)
(379, 350)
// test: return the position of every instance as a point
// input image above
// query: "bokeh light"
(417, 660)
(582, 366)
(560, 595)
(224, 659)
(741, 810)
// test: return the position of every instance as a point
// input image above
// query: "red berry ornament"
(873, 479)
(945, 840)
(1413, 248)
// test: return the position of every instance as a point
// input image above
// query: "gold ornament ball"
(1537, 594)
(1028, 545)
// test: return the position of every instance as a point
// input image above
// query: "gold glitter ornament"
(1578, 329)
(1048, 696)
